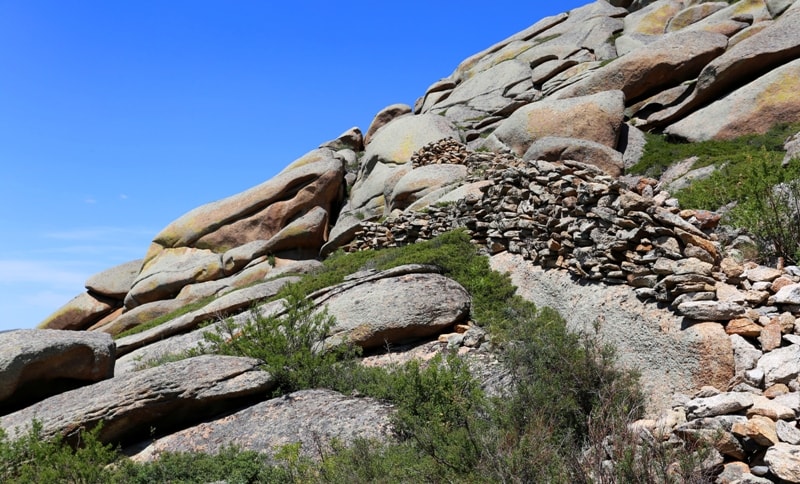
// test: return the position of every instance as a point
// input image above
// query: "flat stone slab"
(47, 361)
(308, 417)
(168, 396)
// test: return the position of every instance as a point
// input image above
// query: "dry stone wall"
(627, 231)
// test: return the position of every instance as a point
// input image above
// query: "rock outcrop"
(524, 147)
(38, 363)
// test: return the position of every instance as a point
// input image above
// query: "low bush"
(758, 193)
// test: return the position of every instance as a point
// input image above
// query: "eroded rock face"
(164, 397)
(260, 212)
(387, 158)
(394, 306)
(38, 363)
(753, 108)
(681, 361)
(595, 118)
(115, 282)
(666, 62)
(311, 418)
(81, 312)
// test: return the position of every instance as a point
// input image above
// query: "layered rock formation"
(523, 146)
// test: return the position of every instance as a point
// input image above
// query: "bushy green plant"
(31, 458)
(290, 343)
(231, 465)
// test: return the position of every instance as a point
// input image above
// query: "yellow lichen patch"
(304, 160)
(754, 7)
(404, 150)
(691, 15)
(509, 52)
(655, 22)
(783, 91)
(360, 333)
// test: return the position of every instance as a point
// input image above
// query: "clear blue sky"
(116, 117)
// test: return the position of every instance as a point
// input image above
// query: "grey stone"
(180, 392)
(38, 363)
(384, 117)
(595, 118)
(788, 432)
(788, 294)
(722, 404)
(668, 61)
(115, 282)
(784, 461)
(80, 312)
(389, 152)
(754, 107)
(421, 181)
(166, 274)
(218, 309)
(646, 338)
(711, 310)
(551, 148)
(311, 418)
(780, 365)
(393, 307)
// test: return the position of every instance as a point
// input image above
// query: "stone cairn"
(572, 216)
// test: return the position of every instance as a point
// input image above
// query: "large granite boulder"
(753, 108)
(215, 310)
(666, 62)
(38, 363)
(161, 398)
(311, 418)
(166, 273)
(748, 59)
(115, 282)
(384, 117)
(595, 118)
(421, 181)
(393, 306)
(551, 148)
(80, 312)
(388, 155)
(260, 213)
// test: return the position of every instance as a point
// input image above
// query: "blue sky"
(118, 117)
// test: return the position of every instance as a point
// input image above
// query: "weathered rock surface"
(260, 212)
(311, 418)
(213, 311)
(38, 363)
(664, 63)
(384, 117)
(754, 56)
(552, 149)
(646, 338)
(115, 282)
(81, 312)
(755, 107)
(164, 397)
(394, 306)
(595, 118)
(388, 154)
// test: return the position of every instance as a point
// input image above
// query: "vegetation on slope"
(749, 170)
(553, 423)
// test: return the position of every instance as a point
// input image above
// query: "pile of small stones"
(572, 216)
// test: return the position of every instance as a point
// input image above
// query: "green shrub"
(34, 459)
(288, 343)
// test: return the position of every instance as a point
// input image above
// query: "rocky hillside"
(528, 147)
